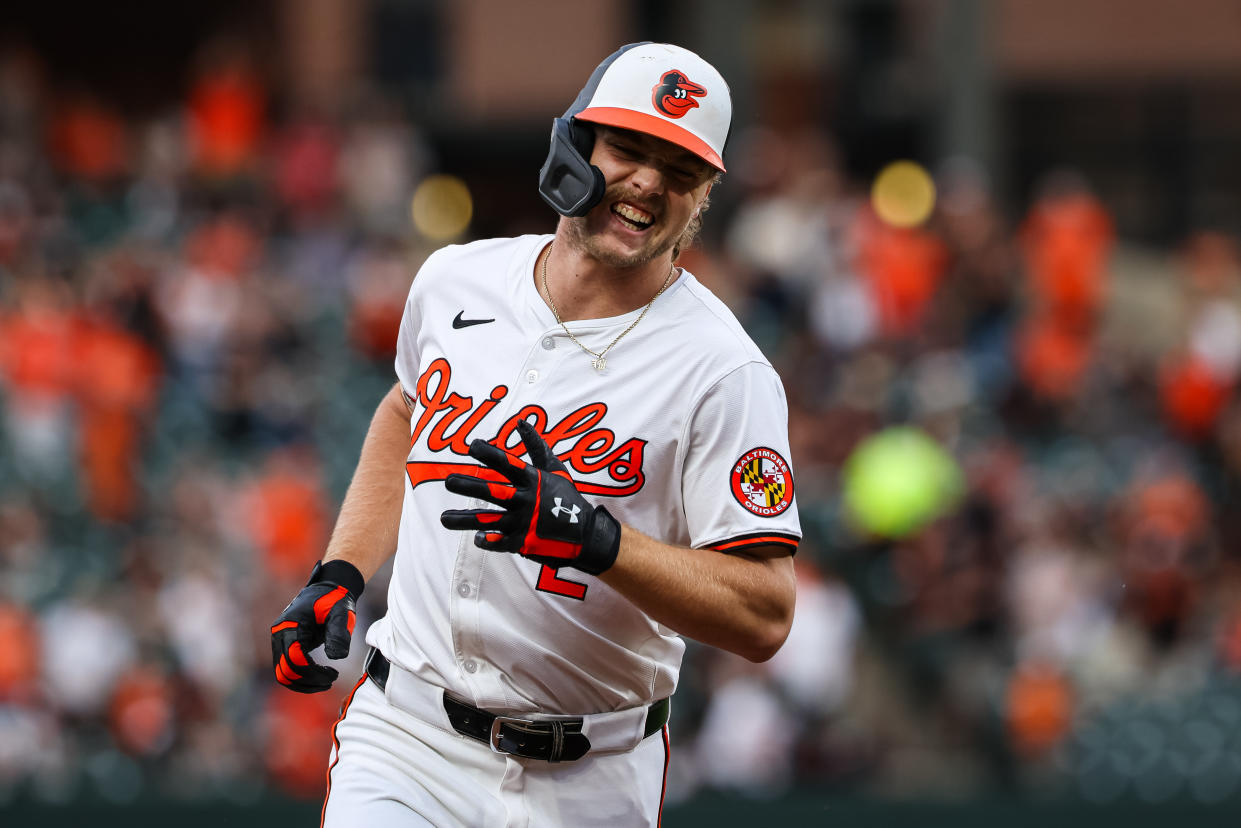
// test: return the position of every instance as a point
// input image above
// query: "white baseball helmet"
(654, 88)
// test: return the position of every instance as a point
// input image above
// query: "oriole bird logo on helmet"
(674, 94)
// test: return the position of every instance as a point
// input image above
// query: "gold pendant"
(599, 363)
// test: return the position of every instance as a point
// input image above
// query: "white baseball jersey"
(682, 436)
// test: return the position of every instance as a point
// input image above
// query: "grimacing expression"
(654, 189)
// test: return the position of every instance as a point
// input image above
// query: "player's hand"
(543, 516)
(322, 613)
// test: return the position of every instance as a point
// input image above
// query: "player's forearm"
(366, 530)
(737, 603)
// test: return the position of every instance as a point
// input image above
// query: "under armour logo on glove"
(571, 512)
(322, 613)
(534, 503)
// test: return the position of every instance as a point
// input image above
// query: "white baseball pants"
(394, 769)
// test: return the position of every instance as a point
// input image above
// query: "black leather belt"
(549, 740)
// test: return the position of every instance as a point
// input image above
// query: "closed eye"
(625, 152)
(689, 176)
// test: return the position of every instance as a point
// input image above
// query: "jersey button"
(532, 375)
(549, 344)
(470, 666)
(463, 589)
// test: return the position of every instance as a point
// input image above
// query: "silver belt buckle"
(494, 741)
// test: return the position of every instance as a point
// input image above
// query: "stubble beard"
(583, 239)
(589, 243)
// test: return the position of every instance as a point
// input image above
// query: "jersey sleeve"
(408, 356)
(737, 482)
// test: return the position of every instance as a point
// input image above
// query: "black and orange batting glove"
(322, 613)
(543, 516)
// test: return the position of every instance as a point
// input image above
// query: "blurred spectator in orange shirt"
(19, 657)
(1039, 708)
(226, 247)
(119, 377)
(142, 713)
(1196, 383)
(1053, 356)
(1192, 395)
(35, 356)
(88, 140)
(226, 113)
(1067, 238)
(1164, 529)
(287, 513)
(38, 372)
(902, 266)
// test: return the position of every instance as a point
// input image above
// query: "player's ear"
(706, 194)
(702, 202)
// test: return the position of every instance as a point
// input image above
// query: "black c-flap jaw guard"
(567, 180)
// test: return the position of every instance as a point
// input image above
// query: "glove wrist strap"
(340, 572)
(601, 544)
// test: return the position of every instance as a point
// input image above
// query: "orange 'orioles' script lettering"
(592, 448)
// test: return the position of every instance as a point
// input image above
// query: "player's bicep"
(776, 561)
(778, 555)
(770, 574)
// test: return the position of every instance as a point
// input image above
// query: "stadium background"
(1023, 603)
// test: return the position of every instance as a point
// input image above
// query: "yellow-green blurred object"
(903, 194)
(442, 207)
(899, 480)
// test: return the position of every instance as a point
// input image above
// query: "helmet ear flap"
(567, 180)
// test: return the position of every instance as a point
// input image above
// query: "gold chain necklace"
(599, 363)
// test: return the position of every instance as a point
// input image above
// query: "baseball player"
(584, 459)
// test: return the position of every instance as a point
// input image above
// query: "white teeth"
(633, 214)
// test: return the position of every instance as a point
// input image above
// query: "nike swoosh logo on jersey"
(458, 322)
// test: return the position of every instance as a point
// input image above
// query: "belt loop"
(557, 741)
(377, 668)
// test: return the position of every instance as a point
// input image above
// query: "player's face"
(653, 190)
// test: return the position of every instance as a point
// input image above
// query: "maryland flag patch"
(762, 482)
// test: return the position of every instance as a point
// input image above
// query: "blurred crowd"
(198, 314)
